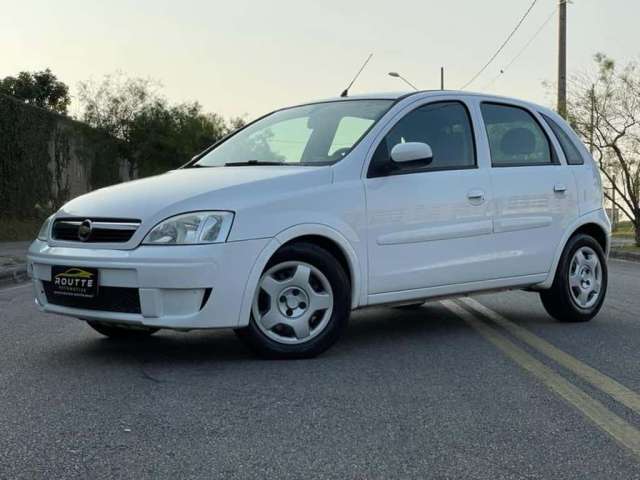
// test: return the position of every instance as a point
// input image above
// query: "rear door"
(534, 193)
(429, 223)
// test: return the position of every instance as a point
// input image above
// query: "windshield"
(317, 134)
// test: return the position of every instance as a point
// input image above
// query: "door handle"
(476, 196)
(559, 188)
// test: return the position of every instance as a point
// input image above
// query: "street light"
(397, 75)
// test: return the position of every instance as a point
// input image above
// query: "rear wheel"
(580, 285)
(301, 306)
(122, 332)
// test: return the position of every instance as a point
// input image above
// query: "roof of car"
(402, 94)
(371, 96)
(375, 96)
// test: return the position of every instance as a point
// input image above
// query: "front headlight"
(191, 229)
(43, 234)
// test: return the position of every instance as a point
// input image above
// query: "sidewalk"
(621, 254)
(13, 266)
(620, 249)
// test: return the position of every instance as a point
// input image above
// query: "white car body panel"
(529, 217)
(596, 217)
(172, 281)
(404, 237)
(420, 227)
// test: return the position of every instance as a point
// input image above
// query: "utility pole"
(592, 126)
(562, 59)
(441, 78)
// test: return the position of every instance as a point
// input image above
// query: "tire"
(573, 296)
(122, 332)
(308, 307)
(410, 306)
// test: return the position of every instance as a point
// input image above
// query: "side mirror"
(411, 152)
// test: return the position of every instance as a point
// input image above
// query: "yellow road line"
(608, 385)
(623, 432)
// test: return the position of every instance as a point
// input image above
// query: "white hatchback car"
(281, 229)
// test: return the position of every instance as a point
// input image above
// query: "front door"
(429, 224)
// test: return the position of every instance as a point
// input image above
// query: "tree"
(42, 89)
(604, 108)
(163, 137)
(113, 103)
(156, 136)
(236, 123)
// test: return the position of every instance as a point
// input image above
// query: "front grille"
(103, 230)
(108, 299)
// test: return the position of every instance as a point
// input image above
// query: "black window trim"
(555, 160)
(551, 122)
(426, 169)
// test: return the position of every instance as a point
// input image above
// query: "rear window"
(515, 137)
(571, 152)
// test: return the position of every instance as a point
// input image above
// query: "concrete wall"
(47, 159)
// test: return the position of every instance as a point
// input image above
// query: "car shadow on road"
(384, 326)
(376, 328)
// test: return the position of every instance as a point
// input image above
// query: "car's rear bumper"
(183, 287)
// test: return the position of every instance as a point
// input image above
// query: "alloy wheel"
(294, 302)
(585, 277)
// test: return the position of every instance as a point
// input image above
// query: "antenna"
(345, 92)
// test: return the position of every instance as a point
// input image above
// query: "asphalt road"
(489, 388)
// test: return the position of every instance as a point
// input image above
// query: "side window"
(571, 152)
(515, 137)
(445, 126)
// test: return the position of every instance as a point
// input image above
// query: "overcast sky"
(248, 57)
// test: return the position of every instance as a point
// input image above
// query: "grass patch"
(13, 230)
(624, 230)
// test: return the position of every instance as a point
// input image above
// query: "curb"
(13, 274)
(624, 255)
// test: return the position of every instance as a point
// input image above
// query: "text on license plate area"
(74, 281)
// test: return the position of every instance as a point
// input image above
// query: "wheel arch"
(321, 235)
(596, 224)
(596, 231)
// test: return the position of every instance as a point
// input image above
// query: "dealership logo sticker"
(75, 282)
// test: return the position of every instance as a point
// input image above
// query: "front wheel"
(122, 332)
(301, 306)
(580, 284)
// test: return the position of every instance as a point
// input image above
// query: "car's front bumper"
(173, 282)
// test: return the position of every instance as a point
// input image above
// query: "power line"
(523, 49)
(504, 44)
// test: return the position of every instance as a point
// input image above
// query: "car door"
(429, 223)
(534, 193)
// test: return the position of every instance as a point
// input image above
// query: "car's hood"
(190, 189)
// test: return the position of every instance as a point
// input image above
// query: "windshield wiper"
(251, 162)
(198, 165)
